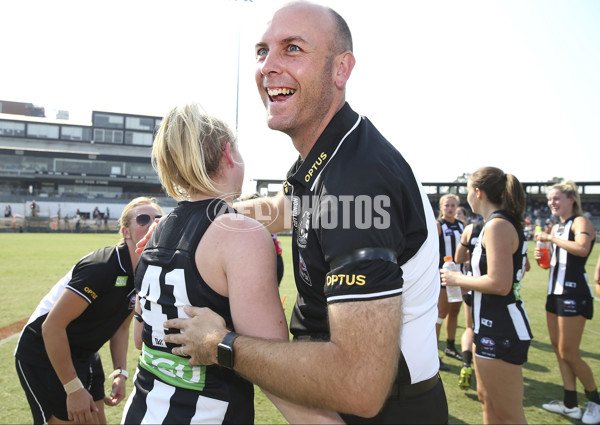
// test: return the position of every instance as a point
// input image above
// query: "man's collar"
(325, 146)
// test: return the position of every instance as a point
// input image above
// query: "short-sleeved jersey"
(363, 229)
(501, 315)
(449, 238)
(103, 278)
(567, 271)
(167, 279)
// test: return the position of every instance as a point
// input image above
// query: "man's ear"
(125, 232)
(344, 64)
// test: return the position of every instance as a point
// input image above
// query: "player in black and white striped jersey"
(570, 302)
(500, 323)
(449, 230)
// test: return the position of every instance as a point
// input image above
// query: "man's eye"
(293, 48)
(261, 52)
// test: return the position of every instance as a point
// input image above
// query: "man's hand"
(202, 332)
(118, 391)
(142, 243)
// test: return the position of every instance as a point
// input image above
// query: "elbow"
(368, 400)
(366, 404)
(46, 328)
(503, 290)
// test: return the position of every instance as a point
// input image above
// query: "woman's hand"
(543, 237)
(80, 406)
(450, 278)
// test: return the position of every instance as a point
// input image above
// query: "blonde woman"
(449, 231)
(570, 301)
(206, 255)
(502, 333)
(57, 354)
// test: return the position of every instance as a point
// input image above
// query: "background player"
(56, 356)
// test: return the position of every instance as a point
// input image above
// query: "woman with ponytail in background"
(501, 326)
(570, 301)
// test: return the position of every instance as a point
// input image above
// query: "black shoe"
(451, 352)
(443, 366)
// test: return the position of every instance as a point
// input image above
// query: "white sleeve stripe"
(77, 292)
(364, 296)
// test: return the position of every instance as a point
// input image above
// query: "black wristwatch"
(225, 350)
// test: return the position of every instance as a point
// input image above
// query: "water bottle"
(453, 293)
(544, 248)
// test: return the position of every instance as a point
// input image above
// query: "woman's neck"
(488, 208)
(203, 196)
(565, 217)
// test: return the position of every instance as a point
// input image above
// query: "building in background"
(66, 162)
(67, 166)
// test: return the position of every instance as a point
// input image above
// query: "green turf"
(31, 263)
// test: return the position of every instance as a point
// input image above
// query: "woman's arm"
(54, 331)
(138, 326)
(500, 240)
(462, 251)
(118, 352)
(584, 236)
(242, 265)
(597, 273)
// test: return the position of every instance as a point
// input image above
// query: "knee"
(569, 355)
(482, 396)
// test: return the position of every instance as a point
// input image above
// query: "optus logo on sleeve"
(346, 279)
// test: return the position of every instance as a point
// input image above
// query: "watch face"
(225, 356)
(225, 350)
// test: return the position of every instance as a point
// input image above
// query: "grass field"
(30, 264)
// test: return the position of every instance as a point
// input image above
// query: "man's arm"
(275, 213)
(352, 373)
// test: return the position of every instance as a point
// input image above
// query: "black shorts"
(45, 392)
(512, 351)
(570, 305)
(468, 298)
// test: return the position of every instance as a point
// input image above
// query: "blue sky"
(453, 84)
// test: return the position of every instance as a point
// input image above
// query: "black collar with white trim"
(306, 172)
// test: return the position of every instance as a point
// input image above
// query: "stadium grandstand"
(54, 171)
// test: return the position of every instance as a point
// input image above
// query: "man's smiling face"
(294, 75)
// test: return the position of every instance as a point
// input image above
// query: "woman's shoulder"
(582, 222)
(238, 228)
(499, 222)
